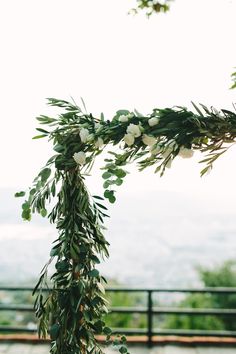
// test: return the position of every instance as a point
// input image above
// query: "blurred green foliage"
(221, 276)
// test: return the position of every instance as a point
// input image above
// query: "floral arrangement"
(71, 311)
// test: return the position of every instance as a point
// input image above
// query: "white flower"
(153, 121)
(123, 118)
(134, 130)
(84, 133)
(99, 143)
(129, 139)
(186, 153)
(155, 2)
(79, 157)
(148, 140)
(150, 3)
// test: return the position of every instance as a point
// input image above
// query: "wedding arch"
(73, 308)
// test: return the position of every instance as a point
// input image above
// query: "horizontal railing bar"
(10, 329)
(22, 308)
(120, 309)
(195, 311)
(24, 288)
(213, 290)
(136, 331)
(170, 332)
(141, 310)
(173, 310)
(195, 332)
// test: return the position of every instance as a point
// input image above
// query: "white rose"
(129, 139)
(84, 133)
(99, 143)
(153, 121)
(123, 118)
(186, 153)
(134, 130)
(148, 140)
(79, 157)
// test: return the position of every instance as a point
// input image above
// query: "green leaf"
(101, 206)
(53, 189)
(95, 259)
(42, 130)
(32, 191)
(43, 212)
(120, 173)
(118, 181)
(45, 173)
(54, 331)
(107, 330)
(107, 194)
(94, 273)
(123, 349)
(26, 214)
(19, 194)
(112, 199)
(116, 342)
(122, 112)
(54, 251)
(106, 184)
(98, 197)
(25, 205)
(99, 326)
(58, 148)
(39, 136)
(123, 339)
(106, 175)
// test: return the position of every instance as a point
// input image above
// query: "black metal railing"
(149, 311)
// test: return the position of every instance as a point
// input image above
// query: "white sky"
(93, 49)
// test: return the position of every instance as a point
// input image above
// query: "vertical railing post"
(149, 318)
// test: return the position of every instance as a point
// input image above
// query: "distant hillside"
(155, 242)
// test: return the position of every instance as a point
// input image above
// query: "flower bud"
(129, 139)
(79, 157)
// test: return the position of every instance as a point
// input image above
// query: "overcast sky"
(93, 49)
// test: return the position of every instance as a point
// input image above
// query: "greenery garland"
(72, 310)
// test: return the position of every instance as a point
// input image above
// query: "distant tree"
(125, 320)
(222, 276)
